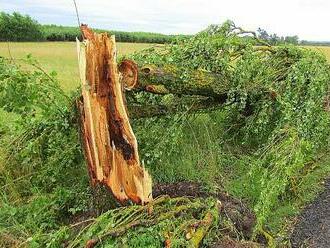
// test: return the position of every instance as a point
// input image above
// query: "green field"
(61, 56)
(58, 56)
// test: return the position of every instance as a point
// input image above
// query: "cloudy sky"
(309, 19)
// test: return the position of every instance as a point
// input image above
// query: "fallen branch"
(202, 230)
(116, 232)
(168, 79)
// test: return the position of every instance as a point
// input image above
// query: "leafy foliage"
(41, 155)
(16, 27)
(283, 85)
(275, 105)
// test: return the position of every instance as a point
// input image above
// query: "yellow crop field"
(325, 50)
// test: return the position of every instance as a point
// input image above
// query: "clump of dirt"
(313, 226)
(242, 217)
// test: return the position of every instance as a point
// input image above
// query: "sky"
(309, 19)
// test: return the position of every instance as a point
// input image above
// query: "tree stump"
(110, 147)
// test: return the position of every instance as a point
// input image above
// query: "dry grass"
(58, 56)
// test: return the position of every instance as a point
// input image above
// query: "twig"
(242, 31)
(78, 19)
(82, 222)
(77, 13)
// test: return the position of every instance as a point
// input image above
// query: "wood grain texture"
(110, 146)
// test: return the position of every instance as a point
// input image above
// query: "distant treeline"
(274, 39)
(314, 43)
(17, 27)
(62, 33)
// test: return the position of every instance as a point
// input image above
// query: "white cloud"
(307, 18)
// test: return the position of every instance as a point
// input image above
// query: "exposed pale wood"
(110, 146)
(129, 74)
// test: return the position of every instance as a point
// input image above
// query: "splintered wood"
(109, 143)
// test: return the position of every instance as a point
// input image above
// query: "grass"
(58, 56)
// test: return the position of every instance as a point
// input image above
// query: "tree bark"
(168, 79)
(109, 143)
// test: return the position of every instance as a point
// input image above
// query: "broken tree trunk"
(168, 79)
(109, 143)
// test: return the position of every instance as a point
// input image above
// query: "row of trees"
(17, 27)
(314, 43)
(62, 33)
(274, 39)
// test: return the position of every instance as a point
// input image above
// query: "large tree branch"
(168, 79)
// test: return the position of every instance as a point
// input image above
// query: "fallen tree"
(274, 88)
(252, 79)
(265, 156)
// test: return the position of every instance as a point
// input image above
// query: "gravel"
(313, 227)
